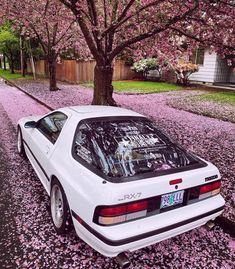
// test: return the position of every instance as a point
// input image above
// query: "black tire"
(60, 213)
(20, 144)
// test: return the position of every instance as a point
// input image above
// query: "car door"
(42, 143)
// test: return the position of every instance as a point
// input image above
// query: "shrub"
(145, 65)
(183, 70)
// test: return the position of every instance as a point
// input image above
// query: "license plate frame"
(172, 199)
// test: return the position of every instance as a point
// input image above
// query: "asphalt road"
(9, 243)
(27, 238)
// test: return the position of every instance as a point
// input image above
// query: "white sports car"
(124, 184)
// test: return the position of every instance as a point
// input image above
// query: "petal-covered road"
(31, 241)
(211, 139)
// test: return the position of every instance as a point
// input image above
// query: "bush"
(183, 70)
(145, 65)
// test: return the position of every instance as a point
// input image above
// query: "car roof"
(93, 111)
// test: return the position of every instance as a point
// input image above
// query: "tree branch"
(65, 32)
(116, 24)
(92, 12)
(201, 40)
(39, 38)
(148, 34)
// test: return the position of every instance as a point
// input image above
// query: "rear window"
(128, 148)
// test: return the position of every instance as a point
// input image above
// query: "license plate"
(171, 199)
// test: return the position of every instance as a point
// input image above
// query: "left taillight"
(209, 189)
(109, 215)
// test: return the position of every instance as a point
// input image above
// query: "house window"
(198, 56)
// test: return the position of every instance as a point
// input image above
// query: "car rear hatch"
(122, 149)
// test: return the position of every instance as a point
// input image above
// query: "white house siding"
(222, 72)
(206, 72)
(232, 76)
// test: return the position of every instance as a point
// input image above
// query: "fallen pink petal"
(42, 248)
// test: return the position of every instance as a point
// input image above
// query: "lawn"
(227, 97)
(215, 104)
(140, 86)
(8, 75)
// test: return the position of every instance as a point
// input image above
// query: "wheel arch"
(18, 128)
(68, 224)
(54, 178)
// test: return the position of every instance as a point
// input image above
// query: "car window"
(83, 146)
(127, 147)
(51, 125)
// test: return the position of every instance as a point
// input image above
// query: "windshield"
(127, 147)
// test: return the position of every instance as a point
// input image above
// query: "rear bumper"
(110, 241)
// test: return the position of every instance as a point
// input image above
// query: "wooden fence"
(81, 71)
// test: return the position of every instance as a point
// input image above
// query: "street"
(28, 240)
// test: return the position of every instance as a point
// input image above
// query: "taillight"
(205, 188)
(118, 214)
(137, 206)
(113, 211)
(210, 189)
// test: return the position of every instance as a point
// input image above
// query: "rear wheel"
(59, 208)
(20, 145)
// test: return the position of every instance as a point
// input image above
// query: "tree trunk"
(11, 63)
(24, 66)
(52, 74)
(103, 89)
(12, 68)
(4, 62)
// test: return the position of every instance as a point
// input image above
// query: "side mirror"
(30, 124)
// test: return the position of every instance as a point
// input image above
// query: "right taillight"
(210, 189)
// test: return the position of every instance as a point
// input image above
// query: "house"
(212, 68)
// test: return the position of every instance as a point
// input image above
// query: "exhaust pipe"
(210, 225)
(122, 260)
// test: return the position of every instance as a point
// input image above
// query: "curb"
(227, 225)
(11, 83)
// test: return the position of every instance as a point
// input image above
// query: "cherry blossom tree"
(110, 26)
(49, 22)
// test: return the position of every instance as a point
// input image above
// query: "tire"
(60, 213)
(20, 144)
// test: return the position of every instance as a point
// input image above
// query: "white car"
(122, 181)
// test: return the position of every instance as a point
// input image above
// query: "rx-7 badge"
(130, 196)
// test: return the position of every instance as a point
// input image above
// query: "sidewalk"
(220, 86)
(230, 87)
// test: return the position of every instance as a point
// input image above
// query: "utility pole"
(22, 57)
(32, 60)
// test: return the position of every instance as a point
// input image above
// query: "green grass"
(227, 97)
(8, 75)
(140, 86)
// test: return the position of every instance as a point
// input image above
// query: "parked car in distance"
(120, 180)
